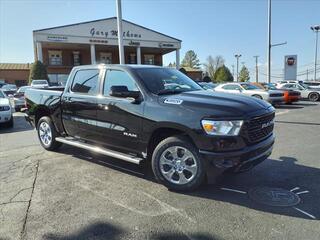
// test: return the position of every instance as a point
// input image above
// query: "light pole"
(237, 57)
(120, 32)
(257, 70)
(316, 29)
(269, 42)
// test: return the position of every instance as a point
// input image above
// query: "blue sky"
(216, 27)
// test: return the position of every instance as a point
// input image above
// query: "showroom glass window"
(118, 78)
(149, 59)
(55, 58)
(86, 82)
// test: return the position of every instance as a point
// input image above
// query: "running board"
(100, 150)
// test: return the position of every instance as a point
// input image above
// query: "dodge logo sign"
(291, 61)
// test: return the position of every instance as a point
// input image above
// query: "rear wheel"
(47, 134)
(314, 97)
(177, 164)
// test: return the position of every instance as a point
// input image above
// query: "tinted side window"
(231, 87)
(118, 78)
(86, 81)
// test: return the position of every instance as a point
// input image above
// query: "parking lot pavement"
(73, 194)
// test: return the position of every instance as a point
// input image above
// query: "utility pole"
(257, 70)
(237, 57)
(316, 29)
(232, 71)
(307, 74)
(269, 42)
(120, 32)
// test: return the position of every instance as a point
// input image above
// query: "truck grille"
(259, 128)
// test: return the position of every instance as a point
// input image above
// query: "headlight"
(4, 108)
(222, 128)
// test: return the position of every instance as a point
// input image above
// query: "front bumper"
(5, 116)
(241, 160)
(274, 100)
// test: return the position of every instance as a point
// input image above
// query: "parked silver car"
(248, 89)
(313, 94)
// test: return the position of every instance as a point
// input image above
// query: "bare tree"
(212, 64)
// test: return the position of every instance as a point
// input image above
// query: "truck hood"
(220, 105)
(4, 102)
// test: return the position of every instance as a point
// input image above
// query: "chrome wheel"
(178, 165)
(45, 133)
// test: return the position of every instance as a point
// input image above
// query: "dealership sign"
(112, 33)
(290, 67)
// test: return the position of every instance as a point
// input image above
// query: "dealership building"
(61, 48)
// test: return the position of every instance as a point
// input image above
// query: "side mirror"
(123, 92)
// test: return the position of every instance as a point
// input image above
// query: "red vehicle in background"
(290, 96)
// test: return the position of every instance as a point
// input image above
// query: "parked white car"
(39, 83)
(313, 94)
(272, 96)
(6, 117)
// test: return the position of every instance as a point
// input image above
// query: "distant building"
(195, 74)
(15, 73)
(61, 48)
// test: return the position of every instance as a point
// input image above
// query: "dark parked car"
(140, 113)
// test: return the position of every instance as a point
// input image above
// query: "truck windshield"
(166, 81)
(1, 95)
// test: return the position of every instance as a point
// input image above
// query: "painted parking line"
(284, 112)
(305, 213)
(233, 190)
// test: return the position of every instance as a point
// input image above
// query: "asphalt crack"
(23, 231)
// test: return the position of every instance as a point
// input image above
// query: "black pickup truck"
(138, 113)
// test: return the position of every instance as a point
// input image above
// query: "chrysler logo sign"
(267, 124)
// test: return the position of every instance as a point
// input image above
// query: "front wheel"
(313, 97)
(177, 165)
(47, 134)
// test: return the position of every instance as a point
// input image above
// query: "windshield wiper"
(169, 91)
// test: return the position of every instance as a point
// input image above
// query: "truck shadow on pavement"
(284, 173)
(103, 231)
(20, 125)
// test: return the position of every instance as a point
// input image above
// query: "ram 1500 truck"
(138, 113)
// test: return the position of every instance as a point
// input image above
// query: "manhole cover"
(274, 196)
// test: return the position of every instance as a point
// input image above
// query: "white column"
(93, 54)
(39, 52)
(178, 59)
(120, 32)
(138, 55)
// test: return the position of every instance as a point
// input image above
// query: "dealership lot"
(73, 194)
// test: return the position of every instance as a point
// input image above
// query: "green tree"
(223, 74)
(191, 60)
(244, 74)
(38, 71)
(212, 64)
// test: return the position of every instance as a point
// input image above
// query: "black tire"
(314, 96)
(182, 144)
(10, 123)
(52, 144)
(257, 96)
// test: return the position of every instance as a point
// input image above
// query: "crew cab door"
(79, 104)
(119, 119)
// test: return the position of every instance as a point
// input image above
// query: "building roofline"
(103, 19)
